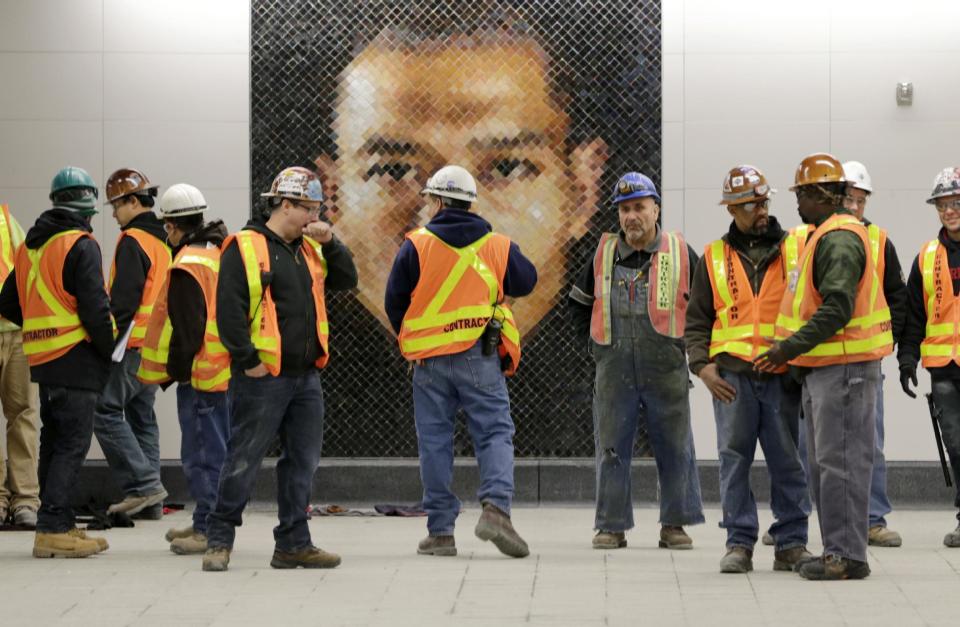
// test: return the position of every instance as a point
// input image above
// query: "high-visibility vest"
(159, 254)
(51, 325)
(867, 336)
(745, 323)
(7, 238)
(942, 337)
(264, 327)
(667, 291)
(459, 290)
(210, 371)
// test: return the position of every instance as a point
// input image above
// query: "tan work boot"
(63, 545)
(952, 539)
(609, 540)
(135, 503)
(881, 536)
(102, 544)
(4, 512)
(737, 560)
(25, 517)
(191, 545)
(437, 545)
(308, 557)
(216, 559)
(494, 525)
(787, 559)
(675, 538)
(173, 533)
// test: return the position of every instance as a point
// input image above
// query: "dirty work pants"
(19, 486)
(839, 405)
(204, 431)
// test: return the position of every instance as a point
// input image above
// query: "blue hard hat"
(634, 185)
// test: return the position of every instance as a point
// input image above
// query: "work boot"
(154, 512)
(64, 544)
(768, 539)
(191, 545)
(737, 560)
(25, 517)
(102, 544)
(787, 559)
(4, 512)
(881, 536)
(173, 533)
(216, 559)
(437, 545)
(676, 538)
(609, 540)
(495, 525)
(133, 503)
(832, 568)
(952, 539)
(308, 557)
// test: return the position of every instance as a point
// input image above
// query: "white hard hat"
(181, 200)
(856, 174)
(452, 181)
(947, 183)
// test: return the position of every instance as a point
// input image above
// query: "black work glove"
(908, 375)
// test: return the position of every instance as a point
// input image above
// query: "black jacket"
(186, 306)
(290, 284)
(132, 266)
(87, 364)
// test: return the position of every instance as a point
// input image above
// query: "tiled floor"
(564, 582)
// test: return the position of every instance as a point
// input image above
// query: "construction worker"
(56, 292)
(19, 489)
(125, 424)
(272, 317)
(445, 299)
(182, 344)
(734, 302)
(932, 335)
(837, 286)
(631, 300)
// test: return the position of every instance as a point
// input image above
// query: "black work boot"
(437, 545)
(307, 557)
(833, 568)
(495, 525)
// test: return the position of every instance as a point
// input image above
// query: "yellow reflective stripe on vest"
(208, 384)
(609, 250)
(6, 244)
(252, 268)
(198, 260)
(844, 347)
(61, 317)
(33, 347)
(467, 258)
(720, 281)
(928, 263)
(667, 291)
(160, 354)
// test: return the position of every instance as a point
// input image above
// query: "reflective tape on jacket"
(458, 291)
(668, 286)
(868, 335)
(942, 334)
(262, 315)
(51, 324)
(6, 242)
(158, 253)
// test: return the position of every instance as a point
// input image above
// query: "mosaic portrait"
(545, 103)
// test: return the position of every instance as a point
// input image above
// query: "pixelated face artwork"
(402, 114)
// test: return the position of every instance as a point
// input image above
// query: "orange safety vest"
(745, 323)
(264, 328)
(458, 292)
(668, 289)
(867, 336)
(159, 254)
(939, 346)
(211, 364)
(51, 325)
(6, 243)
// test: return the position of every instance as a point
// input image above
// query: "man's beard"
(635, 235)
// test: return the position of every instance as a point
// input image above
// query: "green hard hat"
(74, 189)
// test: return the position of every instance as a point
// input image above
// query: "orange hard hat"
(743, 184)
(126, 181)
(819, 167)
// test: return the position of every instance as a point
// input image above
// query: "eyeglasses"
(942, 206)
(750, 207)
(313, 211)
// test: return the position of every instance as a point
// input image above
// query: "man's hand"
(721, 390)
(257, 371)
(320, 231)
(771, 360)
(908, 375)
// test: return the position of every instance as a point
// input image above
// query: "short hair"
(455, 203)
(188, 223)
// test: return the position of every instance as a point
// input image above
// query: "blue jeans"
(261, 408)
(442, 386)
(643, 378)
(204, 430)
(762, 411)
(126, 428)
(67, 416)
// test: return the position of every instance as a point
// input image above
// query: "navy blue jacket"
(458, 228)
